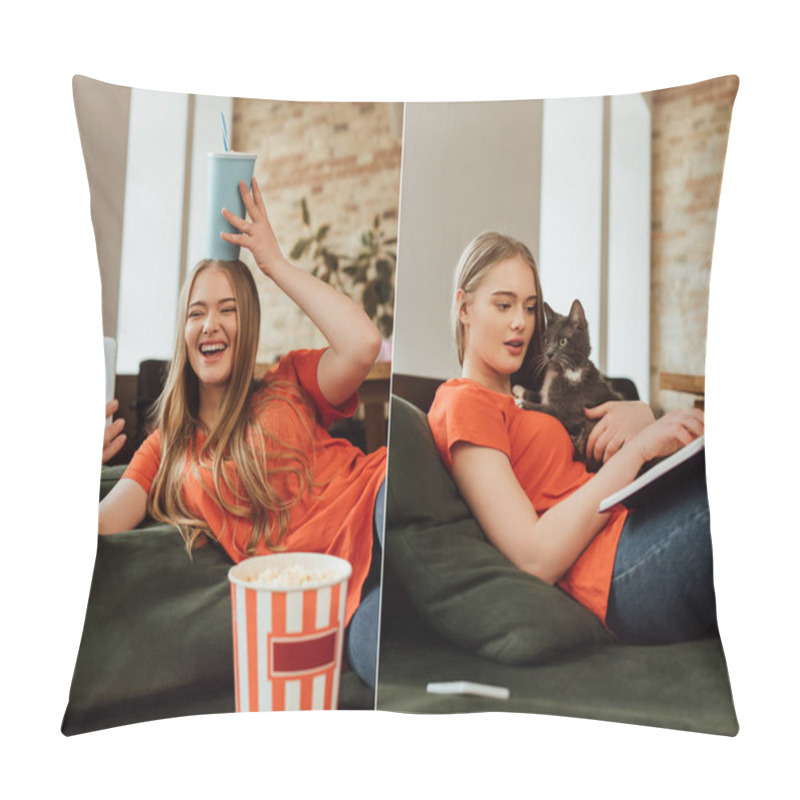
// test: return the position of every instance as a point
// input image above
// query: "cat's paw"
(523, 398)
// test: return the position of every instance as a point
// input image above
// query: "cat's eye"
(547, 340)
(562, 341)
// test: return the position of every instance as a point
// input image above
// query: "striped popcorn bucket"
(288, 629)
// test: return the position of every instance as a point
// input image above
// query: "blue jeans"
(361, 636)
(662, 589)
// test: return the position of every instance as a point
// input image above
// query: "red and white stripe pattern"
(287, 647)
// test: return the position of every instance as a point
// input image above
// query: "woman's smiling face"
(212, 324)
(499, 319)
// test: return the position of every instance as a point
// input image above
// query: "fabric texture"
(541, 456)
(334, 518)
(444, 568)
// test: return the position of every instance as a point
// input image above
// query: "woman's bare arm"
(353, 338)
(123, 508)
(354, 341)
(547, 545)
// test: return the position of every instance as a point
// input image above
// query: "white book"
(654, 473)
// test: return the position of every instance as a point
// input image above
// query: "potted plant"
(371, 269)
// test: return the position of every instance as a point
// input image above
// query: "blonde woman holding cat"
(248, 463)
(646, 573)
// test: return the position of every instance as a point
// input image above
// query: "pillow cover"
(571, 178)
(456, 580)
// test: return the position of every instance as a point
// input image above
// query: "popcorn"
(292, 576)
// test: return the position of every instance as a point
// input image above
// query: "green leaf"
(357, 273)
(376, 223)
(331, 261)
(370, 301)
(300, 247)
(384, 268)
(385, 325)
(384, 291)
(323, 232)
(306, 215)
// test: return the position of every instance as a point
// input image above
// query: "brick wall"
(689, 137)
(344, 159)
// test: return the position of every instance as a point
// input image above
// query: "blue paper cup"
(225, 170)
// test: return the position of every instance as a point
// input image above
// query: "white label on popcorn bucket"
(288, 613)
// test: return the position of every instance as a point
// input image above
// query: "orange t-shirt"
(335, 518)
(541, 455)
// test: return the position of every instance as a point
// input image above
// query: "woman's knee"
(662, 586)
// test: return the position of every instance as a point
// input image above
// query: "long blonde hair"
(236, 435)
(479, 256)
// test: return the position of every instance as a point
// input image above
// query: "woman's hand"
(669, 433)
(113, 437)
(619, 421)
(255, 235)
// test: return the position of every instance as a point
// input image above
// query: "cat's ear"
(577, 315)
(549, 315)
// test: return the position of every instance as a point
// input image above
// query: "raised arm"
(353, 338)
(547, 545)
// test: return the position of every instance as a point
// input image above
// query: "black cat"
(571, 382)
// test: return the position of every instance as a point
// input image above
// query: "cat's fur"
(571, 382)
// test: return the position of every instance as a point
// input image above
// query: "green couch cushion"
(461, 585)
(683, 686)
(157, 637)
